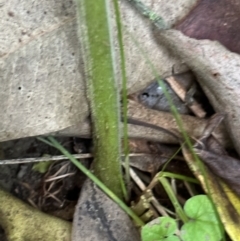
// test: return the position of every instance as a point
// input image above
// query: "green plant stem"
(173, 199)
(98, 50)
(124, 95)
(89, 174)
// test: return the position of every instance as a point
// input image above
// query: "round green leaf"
(203, 224)
(160, 229)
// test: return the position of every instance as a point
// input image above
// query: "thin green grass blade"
(149, 13)
(179, 177)
(173, 199)
(53, 142)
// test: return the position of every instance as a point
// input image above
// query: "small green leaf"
(159, 229)
(203, 224)
(42, 167)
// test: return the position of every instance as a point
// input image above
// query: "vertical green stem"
(124, 92)
(173, 199)
(96, 40)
